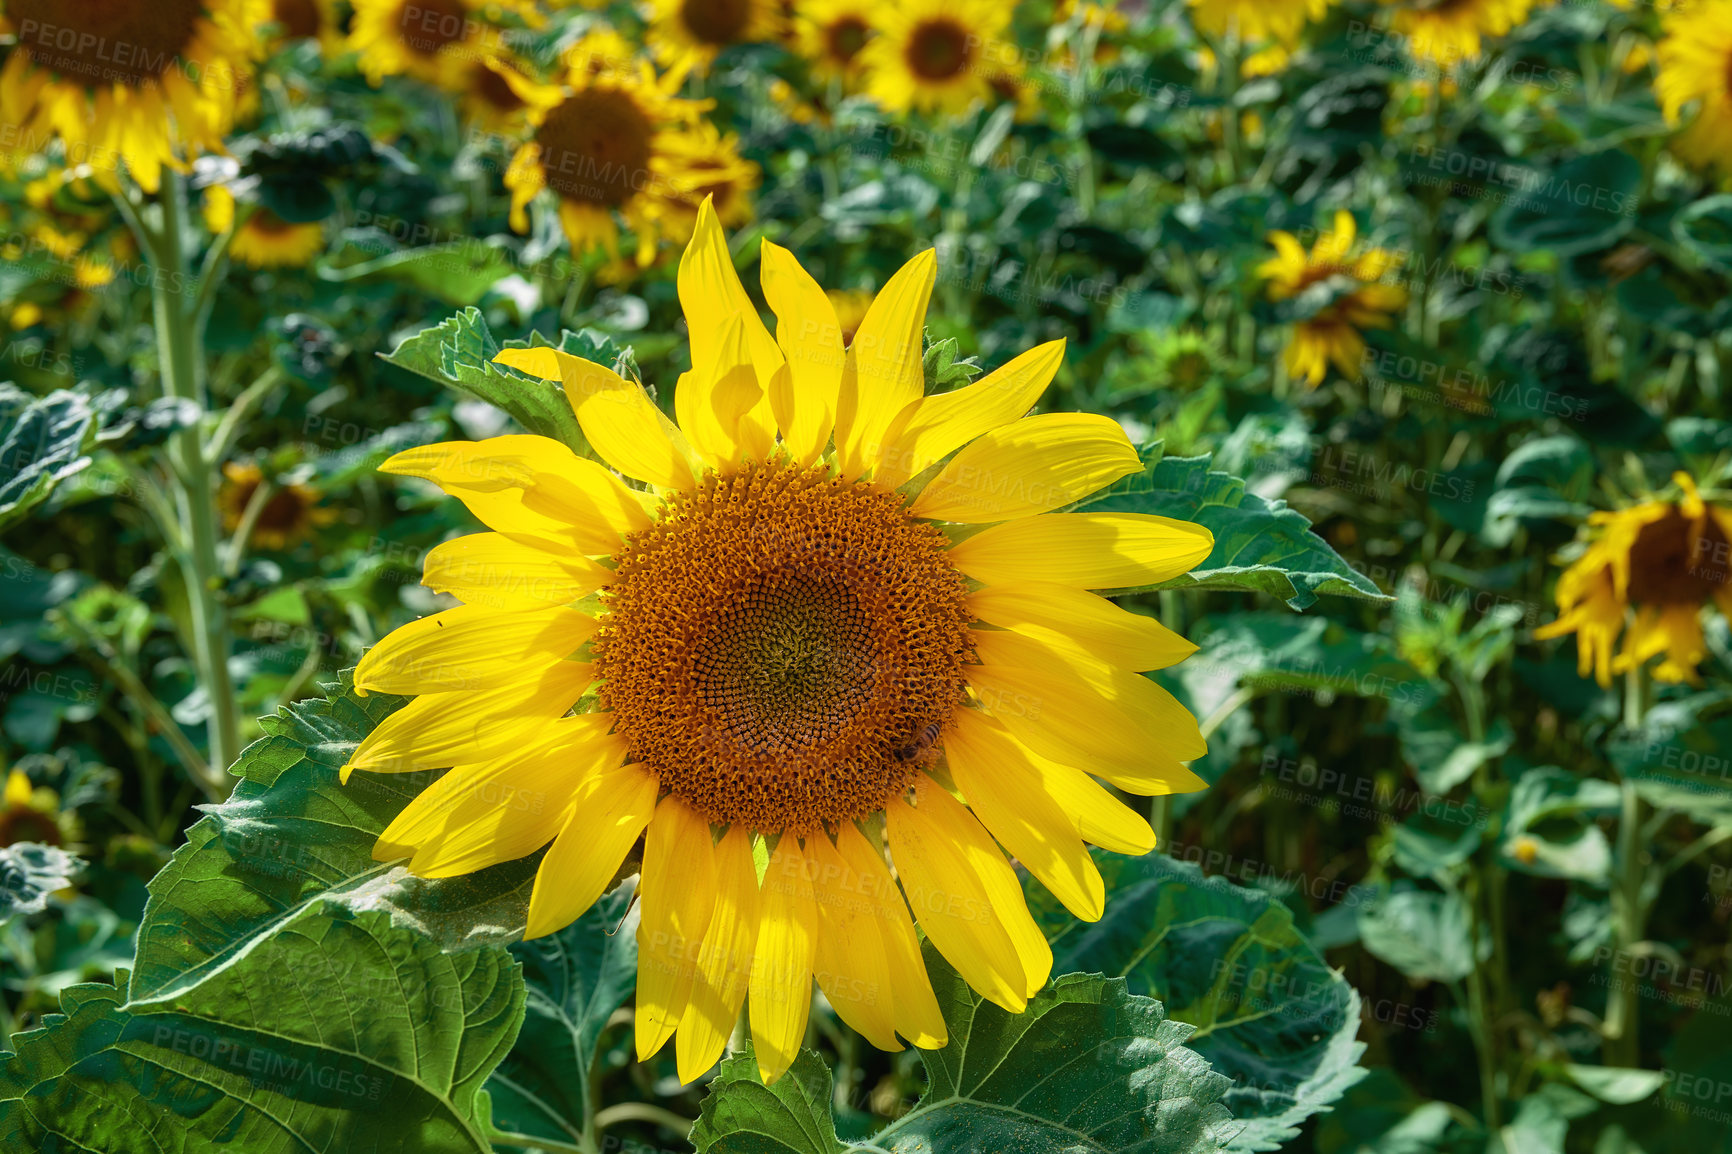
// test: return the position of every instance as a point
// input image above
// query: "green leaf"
(29, 872)
(1260, 546)
(360, 459)
(1680, 757)
(577, 978)
(1584, 206)
(1705, 229)
(42, 442)
(1619, 1085)
(1307, 654)
(1426, 935)
(1552, 812)
(459, 353)
(1268, 1010)
(339, 1032)
(456, 274)
(1088, 1068)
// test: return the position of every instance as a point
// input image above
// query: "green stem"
(1622, 1031)
(642, 1112)
(181, 357)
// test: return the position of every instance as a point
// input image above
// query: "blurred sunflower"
(308, 20)
(702, 164)
(432, 40)
(602, 143)
(1450, 31)
(1339, 294)
(1648, 572)
(777, 641)
(830, 35)
(690, 33)
(935, 55)
(488, 98)
(1256, 20)
(170, 96)
(263, 239)
(851, 306)
(1695, 67)
(290, 511)
(30, 813)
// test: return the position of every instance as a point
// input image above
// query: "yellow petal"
(1032, 466)
(849, 958)
(676, 897)
(493, 570)
(782, 971)
(1110, 722)
(1084, 550)
(913, 1005)
(471, 647)
(943, 423)
(618, 419)
(804, 398)
(1006, 792)
(711, 293)
(1069, 618)
(1100, 818)
(459, 728)
(715, 405)
(18, 790)
(606, 814)
(725, 962)
(883, 374)
(528, 484)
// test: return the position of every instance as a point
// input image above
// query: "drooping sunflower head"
(1647, 573)
(691, 33)
(822, 618)
(1449, 32)
(142, 83)
(281, 514)
(830, 35)
(935, 55)
(1695, 68)
(1336, 286)
(1257, 20)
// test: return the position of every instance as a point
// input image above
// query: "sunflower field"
(882, 576)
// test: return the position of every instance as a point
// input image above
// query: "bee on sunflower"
(289, 513)
(1339, 293)
(821, 618)
(936, 55)
(172, 95)
(1256, 20)
(688, 34)
(262, 239)
(603, 143)
(1647, 573)
(1695, 67)
(829, 34)
(1448, 32)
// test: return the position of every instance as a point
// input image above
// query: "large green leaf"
(1260, 545)
(1088, 1068)
(29, 872)
(338, 1032)
(1680, 757)
(1426, 935)
(1269, 1012)
(42, 442)
(1583, 206)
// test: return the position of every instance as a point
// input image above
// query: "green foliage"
(29, 873)
(42, 442)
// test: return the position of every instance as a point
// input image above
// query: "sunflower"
(851, 307)
(263, 239)
(691, 33)
(145, 83)
(1695, 66)
(433, 40)
(830, 35)
(1344, 290)
(1648, 572)
(602, 143)
(290, 511)
(1256, 20)
(1450, 31)
(935, 55)
(487, 96)
(29, 813)
(704, 163)
(832, 613)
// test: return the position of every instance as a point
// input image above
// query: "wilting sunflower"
(1695, 67)
(935, 55)
(827, 616)
(600, 143)
(830, 35)
(291, 511)
(1344, 290)
(690, 33)
(1648, 572)
(1450, 31)
(704, 164)
(432, 40)
(1256, 20)
(264, 239)
(140, 82)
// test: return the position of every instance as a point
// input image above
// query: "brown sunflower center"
(1670, 564)
(782, 648)
(100, 42)
(939, 50)
(493, 88)
(299, 18)
(716, 22)
(426, 26)
(595, 147)
(284, 510)
(845, 37)
(26, 824)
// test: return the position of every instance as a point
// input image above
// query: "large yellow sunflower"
(1648, 573)
(1451, 31)
(829, 34)
(1355, 301)
(822, 617)
(601, 144)
(690, 33)
(135, 82)
(264, 239)
(1256, 20)
(936, 55)
(1695, 67)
